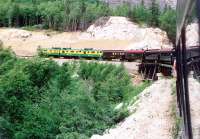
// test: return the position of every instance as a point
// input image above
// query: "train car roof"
(135, 51)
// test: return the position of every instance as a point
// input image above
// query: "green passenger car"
(71, 53)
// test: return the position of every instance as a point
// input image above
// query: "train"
(165, 56)
(151, 61)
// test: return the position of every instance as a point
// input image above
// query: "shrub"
(44, 100)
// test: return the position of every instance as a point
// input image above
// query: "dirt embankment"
(152, 118)
(112, 33)
(121, 28)
(194, 88)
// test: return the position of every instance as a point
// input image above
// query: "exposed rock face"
(151, 38)
(115, 28)
(192, 35)
(120, 28)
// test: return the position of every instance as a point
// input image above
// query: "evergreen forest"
(73, 15)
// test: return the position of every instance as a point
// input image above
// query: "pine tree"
(155, 12)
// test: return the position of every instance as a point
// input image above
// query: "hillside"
(152, 116)
(116, 33)
(162, 3)
(78, 15)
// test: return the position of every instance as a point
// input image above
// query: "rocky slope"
(152, 118)
(120, 28)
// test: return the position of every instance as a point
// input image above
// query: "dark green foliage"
(42, 100)
(141, 14)
(5, 55)
(55, 14)
(5, 128)
(123, 10)
(155, 13)
(73, 135)
(168, 23)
